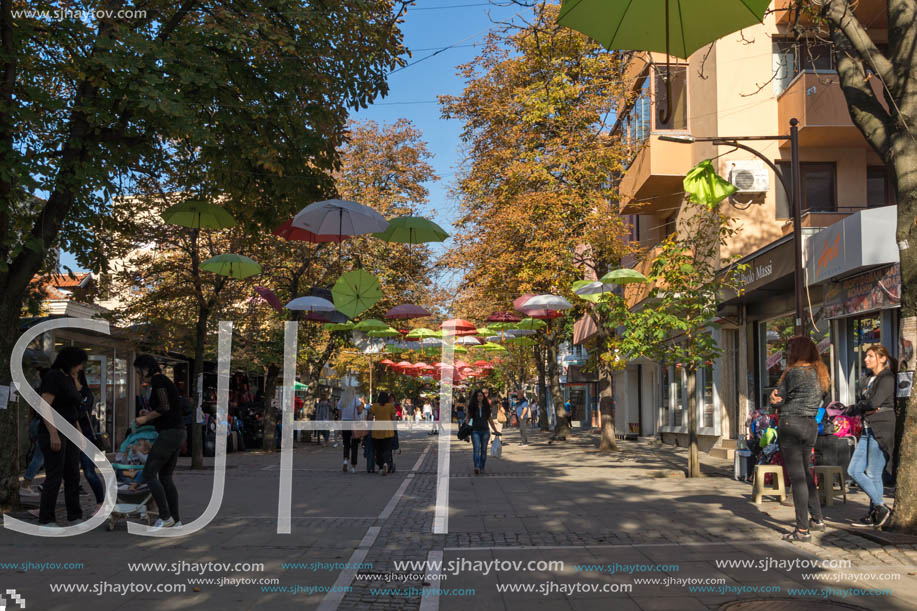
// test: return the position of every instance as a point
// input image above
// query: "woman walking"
(166, 414)
(60, 388)
(383, 410)
(88, 430)
(481, 425)
(876, 447)
(799, 393)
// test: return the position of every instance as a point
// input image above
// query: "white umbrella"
(468, 340)
(520, 332)
(311, 304)
(339, 217)
(594, 287)
(547, 302)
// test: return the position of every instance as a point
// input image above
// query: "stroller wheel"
(110, 523)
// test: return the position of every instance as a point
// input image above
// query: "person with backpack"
(800, 391)
(874, 452)
(85, 422)
(166, 413)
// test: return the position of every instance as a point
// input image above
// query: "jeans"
(796, 439)
(351, 445)
(866, 467)
(157, 472)
(479, 440)
(61, 466)
(369, 454)
(460, 418)
(92, 476)
(35, 465)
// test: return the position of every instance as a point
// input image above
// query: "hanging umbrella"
(502, 317)
(234, 266)
(519, 304)
(421, 333)
(636, 26)
(488, 330)
(468, 340)
(269, 296)
(459, 327)
(339, 217)
(386, 362)
(623, 276)
(371, 324)
(310, 304)
(412, 230)
(385, 333)
(406, 311)
(520, 341)
(355, 292)
(491, 347)
(459, 350)
(295, 234)
(547, 302)
(519, 332)
(338, 326)
(197, 214)
(531, 324)
(481, 363)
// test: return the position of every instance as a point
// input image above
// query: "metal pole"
(797, 224)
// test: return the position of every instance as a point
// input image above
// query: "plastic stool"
(827, 475)
(778, 490)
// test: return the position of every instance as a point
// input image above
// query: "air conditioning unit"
(749, 176)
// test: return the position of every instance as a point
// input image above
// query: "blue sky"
(429, 26)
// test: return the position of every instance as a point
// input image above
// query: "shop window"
(706, 400)
(666, 394)
(879, 189)
(678, 117)
(679, 396)
(863, 333)
(818, 188)
(775, 334)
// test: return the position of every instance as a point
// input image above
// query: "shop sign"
(864, 239)
(876, 290)
(766, 268)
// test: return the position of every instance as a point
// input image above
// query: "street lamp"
(794, 196)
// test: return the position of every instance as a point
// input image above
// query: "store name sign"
(758, 272)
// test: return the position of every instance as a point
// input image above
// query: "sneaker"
(353, 469)
(797, 535)
(868, 520)
(49, 528)
(177, 524)
(346, 466)
(161, 524)
(83, 491)
(883, 513)
(384, 470)
(476, 471)
(816, 525)
(28, 492)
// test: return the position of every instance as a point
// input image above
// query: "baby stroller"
(132, 503)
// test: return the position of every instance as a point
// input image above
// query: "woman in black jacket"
(799, 393)
(873, 452)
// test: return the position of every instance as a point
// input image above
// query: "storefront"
(855, 263)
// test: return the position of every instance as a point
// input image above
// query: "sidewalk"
(542, 502)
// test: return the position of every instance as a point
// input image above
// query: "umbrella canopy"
(339, 217)
(405, 311)
(519, 303)
(459, 350)
(459, 327)
(355, 292)
(491, 347)
(623, 276)
(403, 365)
(530, 323)
(519, 332)
(468, 340)
(234, 266)
(546, 302)
(338, 326)
(197, 214)
(386, 362)
(640, 26)
(288, 232)
(269, 296)
(310, 304)
(520, 341)
(412, 230)
(371, 324)
(421, 333)
(385, 333)
(481, 363)
(502, 317)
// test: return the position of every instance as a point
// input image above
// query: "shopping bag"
(496, 448)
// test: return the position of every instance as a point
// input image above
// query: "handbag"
(496, 448)
(464, 432)
(501, 416)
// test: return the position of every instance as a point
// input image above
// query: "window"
(864, 332)
(666, 394)
(636, 127)
(818, 187)
(670, 225)
(707, 420)
(775, 334)
(679, 392)
(634, 221)
(678, 77)
(879, 190)
(792, 57)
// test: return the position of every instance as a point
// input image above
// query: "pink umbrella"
(502, 317)
(269, 296)
(288, 232)
(407, 310)
(459, 327)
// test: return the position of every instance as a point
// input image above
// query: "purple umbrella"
(406, 311)
(269, 296)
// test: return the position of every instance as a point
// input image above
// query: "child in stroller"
(133, 495)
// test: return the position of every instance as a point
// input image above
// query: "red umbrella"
(386, 362)
(403, 365)
(543, 314)
(288, 232)
(459, 327)
(269, 296)
(503, 317)
(407, 310)
(481, 364)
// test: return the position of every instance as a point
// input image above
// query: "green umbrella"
(412, 230)
(198, 214)
(371, 324)
(704, 186)
(625, 275)
(532, 324)
(491, 347)
(234, 266)
(355, 292)
(338, 326)
(421, 333)
(591, 290)
(390, 332)
(521, 341)
(459, 350)
(300, 386)
(684, 28)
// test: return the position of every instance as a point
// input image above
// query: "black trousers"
(61, 466)
(157, 473)
(351, 447)
(796, 438)
(383, 451)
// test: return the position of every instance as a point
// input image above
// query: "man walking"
(348, 406)
(522, 413)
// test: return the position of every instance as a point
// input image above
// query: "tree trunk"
(693, 460)
(609, 442)
(561, 430)
(270, 413)
(9, 421)
(200, 334)
(542, 389)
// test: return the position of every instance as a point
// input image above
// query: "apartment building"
(750, 84)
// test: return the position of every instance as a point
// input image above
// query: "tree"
(262, 89)
(537, 187)
(884, 114)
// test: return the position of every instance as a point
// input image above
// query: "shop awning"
(584, 329)
(859, 242)
(766, 266)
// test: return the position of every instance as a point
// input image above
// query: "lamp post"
(794, 195)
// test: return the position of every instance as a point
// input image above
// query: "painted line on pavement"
(431, 603)
(333, 599)
(607, 545)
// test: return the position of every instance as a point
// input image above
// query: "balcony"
(819, 104)
(817, 219)
(871, 12)
(654, 180)
(637, 292)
